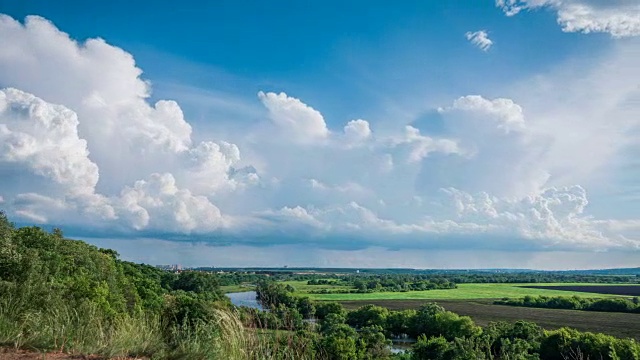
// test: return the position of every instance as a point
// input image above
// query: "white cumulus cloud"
(620, 18)
(44, 137)
(103, 137)
(553, 218)
(295, 119)
(420, 146)
(500, 154)
(505, 112)
(480, 39)
(159, 204)
(357, 130)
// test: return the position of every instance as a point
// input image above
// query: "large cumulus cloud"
(296, 120)
(501, 154)
(44, 138)
(105, 145)
(81, 143)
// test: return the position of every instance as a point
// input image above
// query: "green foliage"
(372, 343)
(381, 283)
(368, 315)
(323, 309)
(306, 307)
(399, 322)
(183, 309)
(510, 338)
(565, 343)
(341, 341)
(271, 294)
(435, 348)
(331, 323)
(289, 309)
(289, 317)
(299, 345)
(575, 303)
(61, 294)
(336, 347)
(199, 283)
(433, 320)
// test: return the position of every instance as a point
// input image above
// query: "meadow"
(462, 292)
(237, 288)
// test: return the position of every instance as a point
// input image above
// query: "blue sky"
(424, 134)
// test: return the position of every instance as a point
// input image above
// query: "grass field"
(463, 292)
(237, 288)
(484, 311)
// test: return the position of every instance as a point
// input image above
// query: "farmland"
(462, 292)
(612, 289)
(476, 301)
(483, 312)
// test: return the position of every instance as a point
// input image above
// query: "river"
(245, 298)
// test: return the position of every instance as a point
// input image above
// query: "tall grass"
(84, 330)
(81, 330)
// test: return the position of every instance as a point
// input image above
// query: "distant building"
(173, 267)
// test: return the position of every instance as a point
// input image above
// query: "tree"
(114, 254)
(368, 315)
(451, 326)
(271, 294)
(289, 317)
(198, 282)
(306, 307)
(373, 344)
(564, 342)
(423, 322)
(339, 348)
(323, 309)
(6, 226)
(10, 258)
(517, 349)
(398, 322)
(435, 348)
(497, 333)
(360, 285)
(331, 322)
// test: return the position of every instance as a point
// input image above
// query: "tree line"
(624, 305)
(381, 283)
(408, 279)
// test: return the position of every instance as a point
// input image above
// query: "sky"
(423, 134)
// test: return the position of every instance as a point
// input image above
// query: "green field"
(237, 288)
(463, 292)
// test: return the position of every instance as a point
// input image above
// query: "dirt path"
(16, 354)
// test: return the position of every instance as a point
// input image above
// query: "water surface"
(245, 298)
